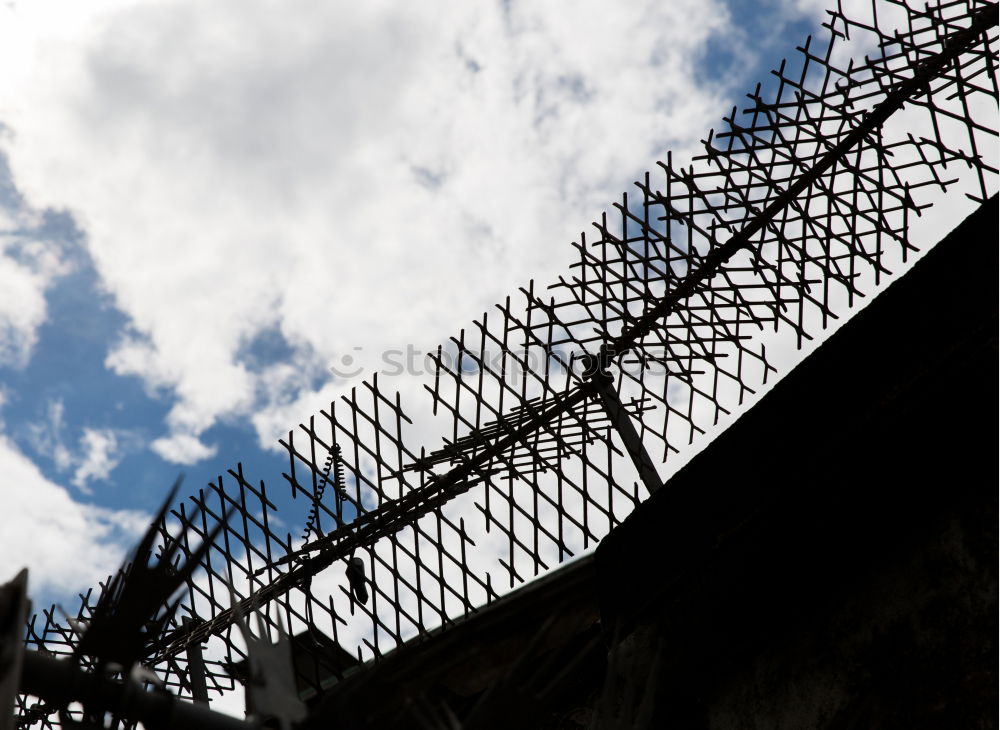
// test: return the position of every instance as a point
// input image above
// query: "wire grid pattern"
(778, 228)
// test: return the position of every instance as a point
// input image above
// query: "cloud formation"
(97, 452)
(67, 546)
(317, 170)
(29, 264)
(47, 435)
(100, 455)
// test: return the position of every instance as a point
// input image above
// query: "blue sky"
(204, 205)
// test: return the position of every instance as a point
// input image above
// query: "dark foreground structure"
(847, 580)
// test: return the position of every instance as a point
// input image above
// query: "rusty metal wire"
(799, 206)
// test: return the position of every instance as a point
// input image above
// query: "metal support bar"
(59, 682)
(196, 668)
(622, 422)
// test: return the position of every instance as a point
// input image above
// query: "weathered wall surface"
(831, 560)
(910, 644)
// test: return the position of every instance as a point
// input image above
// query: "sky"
(204, 207)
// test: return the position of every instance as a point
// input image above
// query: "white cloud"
(67, 546)
(319, 169)
(47, 435)
(22, 311)
(28, 267)
(97, 452)
(182, 448)
(100, 454)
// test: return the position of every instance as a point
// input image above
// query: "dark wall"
(830, 560)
